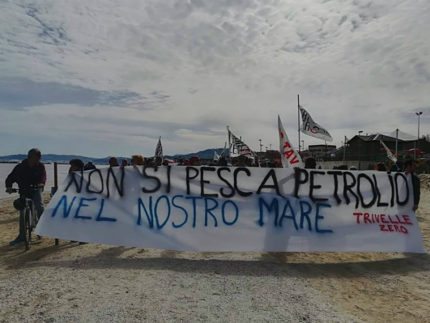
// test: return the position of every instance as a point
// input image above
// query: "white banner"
(289, 156)
(311, 128)
(236, 209)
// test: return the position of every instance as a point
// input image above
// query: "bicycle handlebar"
(19, 190)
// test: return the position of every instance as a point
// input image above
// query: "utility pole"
(344, 148)
(419, 117)
(397, 141)
(298, 118)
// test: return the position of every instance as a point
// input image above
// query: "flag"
(289, 156)
(237, 146)
(159, 150)
(389, 153)
(311, 128)
(216, 156)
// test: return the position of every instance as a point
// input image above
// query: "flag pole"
(229, 141)
(298, 118)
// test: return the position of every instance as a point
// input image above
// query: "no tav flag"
(289, 156)
(311, 128)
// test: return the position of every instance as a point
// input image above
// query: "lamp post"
(418, 138)
(397, 141)
(419, 117)
(361, 147)
(261, 145)
(359, 150)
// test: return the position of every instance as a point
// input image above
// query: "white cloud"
(358, 65)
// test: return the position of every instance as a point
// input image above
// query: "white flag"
(216, 156)
(389, 153)
(237, 146)
(289, 156)
(311, 128)
(159, 149)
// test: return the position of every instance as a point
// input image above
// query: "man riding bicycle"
(30, 173)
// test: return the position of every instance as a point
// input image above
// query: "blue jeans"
(38, 205)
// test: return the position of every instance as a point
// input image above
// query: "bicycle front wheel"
(27, 226)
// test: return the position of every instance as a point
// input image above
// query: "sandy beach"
(96, 283)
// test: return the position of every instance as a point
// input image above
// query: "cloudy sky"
(109, 77)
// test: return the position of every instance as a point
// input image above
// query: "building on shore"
(365, 151)
(369, 148)
(321, 152)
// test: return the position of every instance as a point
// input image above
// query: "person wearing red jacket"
(30, 175)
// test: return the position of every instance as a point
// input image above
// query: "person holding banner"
(310, 163)
(410, 168)
(113, 162)
(76, 165)
(137, 160)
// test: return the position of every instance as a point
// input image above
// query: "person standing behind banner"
(113, 162)
(137, 160)
(310, 163)
(410, 168)
(397, 167)
(222, 161)
(89, 166)
(381, 167)
(76, 165)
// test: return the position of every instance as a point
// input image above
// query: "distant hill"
(204, 154)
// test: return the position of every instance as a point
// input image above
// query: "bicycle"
(28, 211)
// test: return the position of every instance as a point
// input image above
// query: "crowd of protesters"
(30, 174)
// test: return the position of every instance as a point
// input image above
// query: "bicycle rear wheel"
(33, 220)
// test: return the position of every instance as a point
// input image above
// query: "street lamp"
(261, 145)
(359, 132)
(419, 116)
(397, 141)
(417, 145)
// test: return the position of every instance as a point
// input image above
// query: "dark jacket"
(26, 176)
(416, 188)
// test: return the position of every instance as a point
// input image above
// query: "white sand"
(94, 283)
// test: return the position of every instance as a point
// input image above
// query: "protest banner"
(236, 209)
